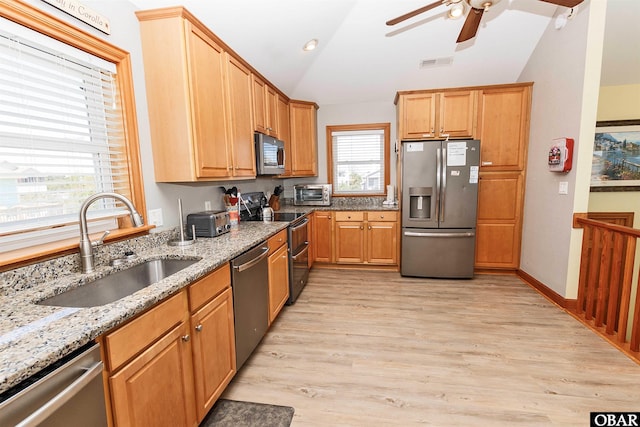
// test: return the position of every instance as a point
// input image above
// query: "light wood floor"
(377, 349)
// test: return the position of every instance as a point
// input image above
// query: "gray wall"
(564, 105)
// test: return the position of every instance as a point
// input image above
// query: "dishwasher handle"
(247, 265)
(63, 397)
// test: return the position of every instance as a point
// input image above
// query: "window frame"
(31, 17)
(386, 128)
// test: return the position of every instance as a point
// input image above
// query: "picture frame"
(616, 156)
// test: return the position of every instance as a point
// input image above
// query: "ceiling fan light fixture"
(456, 10)
(310, 45)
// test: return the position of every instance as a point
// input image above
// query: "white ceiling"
(360, 59)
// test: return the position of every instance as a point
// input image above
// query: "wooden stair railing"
(606, 282)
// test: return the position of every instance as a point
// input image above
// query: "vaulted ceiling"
(360, 59)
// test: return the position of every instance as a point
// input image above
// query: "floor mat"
(232, 413)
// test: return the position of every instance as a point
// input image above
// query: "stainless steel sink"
(118, 285)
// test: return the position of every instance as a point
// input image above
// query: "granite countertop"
(34, 336)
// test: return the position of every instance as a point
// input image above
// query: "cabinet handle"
(362, 227)
(369, 227)
(186, 338)
(382, 216)
(329, 217)
(198, 327)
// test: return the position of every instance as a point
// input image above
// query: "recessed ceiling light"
(310, 45)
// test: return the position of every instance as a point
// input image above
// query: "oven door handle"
(249, 264)
(302, 224)
(302, 252)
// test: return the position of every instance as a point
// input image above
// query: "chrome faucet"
(86, 245)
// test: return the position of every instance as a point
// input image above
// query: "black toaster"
(208, 223)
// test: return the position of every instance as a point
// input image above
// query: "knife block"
(274, 202)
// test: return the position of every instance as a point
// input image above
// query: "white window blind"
(61, 134)
(358, 161)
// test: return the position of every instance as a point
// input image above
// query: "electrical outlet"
(207, 205)
(155, 217)
(563, 187)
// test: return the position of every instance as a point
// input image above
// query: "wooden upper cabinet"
(199, 98)
(283, 132)
(503, 127)
(240, 118)
(457, 114)
(206, 71)
(259, 104)
(273, 126)
(436, 115)
(417, 115)
(304, 146)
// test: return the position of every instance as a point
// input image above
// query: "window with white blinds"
(359, 159)
(61, 134)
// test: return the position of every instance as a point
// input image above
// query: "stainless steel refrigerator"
(439, 205)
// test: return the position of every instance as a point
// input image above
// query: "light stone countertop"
(33, 336)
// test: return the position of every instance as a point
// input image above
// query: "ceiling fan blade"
(471, 24)
(414, 13)
(565, 3)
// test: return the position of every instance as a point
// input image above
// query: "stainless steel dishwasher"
(250, 285)
(68, 394)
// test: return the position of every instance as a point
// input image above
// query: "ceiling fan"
(477, 8)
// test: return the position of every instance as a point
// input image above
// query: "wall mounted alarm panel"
(561, 155)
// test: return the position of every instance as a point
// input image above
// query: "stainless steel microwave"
(312, 194)
(269, 155)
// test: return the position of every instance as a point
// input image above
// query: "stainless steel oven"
(298, 240)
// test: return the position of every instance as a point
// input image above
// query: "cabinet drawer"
(382, 216)
(130, 339)
(277, 240)
(209, 286)
(349, 216)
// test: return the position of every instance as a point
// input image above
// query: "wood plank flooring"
(377, 349)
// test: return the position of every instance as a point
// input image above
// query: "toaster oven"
(312, 194)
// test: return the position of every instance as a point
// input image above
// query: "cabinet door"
(206, 72)
(457, 118)
(498, 231)
(283, 133)
(156, 388)
(259, 105)
(214, 353)
(271, 103)
(503, 127)
(417, 116)
(350, 242)
(278, 281)
(304, 159)
(323, 236)
(382, 237)
(239, 88)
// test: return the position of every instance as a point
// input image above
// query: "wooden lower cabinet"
(498, 231)
(322, 233)
(214, 352)
(156, 388)
(369, 238)
(278, 274)
(168, 366)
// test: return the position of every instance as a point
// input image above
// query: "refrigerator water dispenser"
(420, 202)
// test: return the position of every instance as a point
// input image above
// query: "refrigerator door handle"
(443, 190)
(416, 234)
(438, 176)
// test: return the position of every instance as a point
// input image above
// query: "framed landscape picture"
(616, 156)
